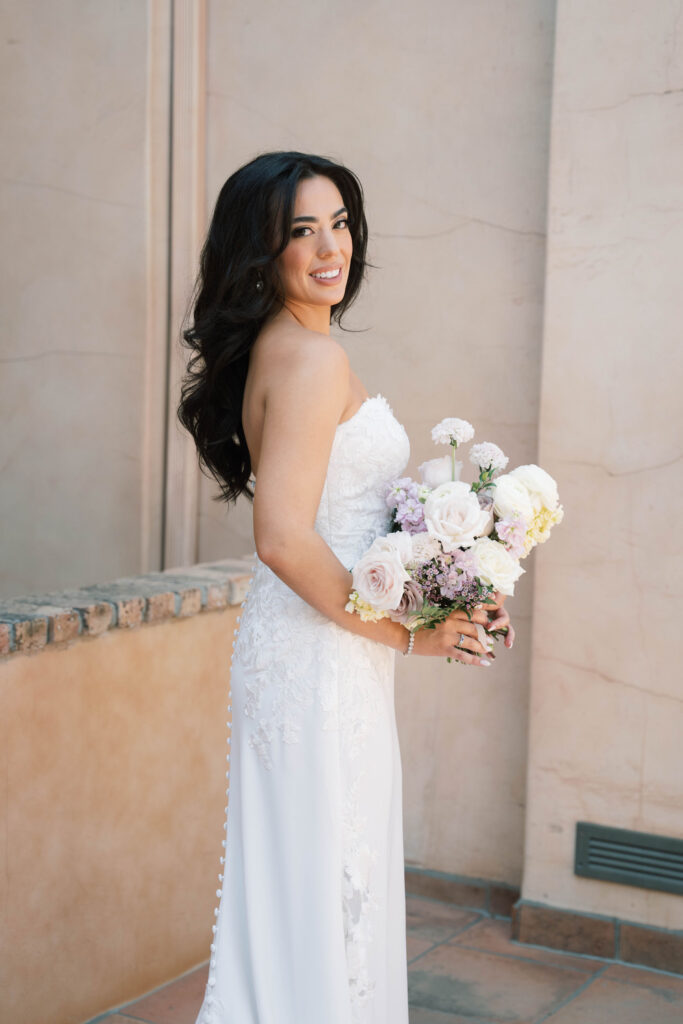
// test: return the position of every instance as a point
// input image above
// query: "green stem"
(454, 445)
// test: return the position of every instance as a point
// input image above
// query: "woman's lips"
(329, 280)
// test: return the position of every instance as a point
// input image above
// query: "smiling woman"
(310, 922)
(318, 255)
(256, 249)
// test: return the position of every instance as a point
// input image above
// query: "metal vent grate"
(632, 858)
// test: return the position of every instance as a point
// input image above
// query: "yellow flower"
(541, 524)
(365, 610)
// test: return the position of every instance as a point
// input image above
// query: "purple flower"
(410, 603)
(410, 515)
(398, 491)
(511, 531)
(466, 561)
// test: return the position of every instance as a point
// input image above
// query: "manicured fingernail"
(483, 661)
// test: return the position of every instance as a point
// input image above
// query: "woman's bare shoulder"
(287, 349)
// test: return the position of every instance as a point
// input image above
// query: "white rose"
(510, 496)
(540, 485)
(490, 521)
(496, 566)
(453, 515)
(438, 471)
(399, 541)
(378, 577)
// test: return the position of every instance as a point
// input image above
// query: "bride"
(309, 926)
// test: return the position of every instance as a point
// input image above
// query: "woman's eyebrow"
(314, 220)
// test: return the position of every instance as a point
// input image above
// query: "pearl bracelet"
(410, 644)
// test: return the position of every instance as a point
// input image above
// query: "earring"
(259, 285)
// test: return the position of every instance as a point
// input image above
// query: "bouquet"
(452, 545)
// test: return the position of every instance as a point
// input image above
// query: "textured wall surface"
(79, 466)
(568, 355)
(606, 715)
(112, 788)
(445, 119)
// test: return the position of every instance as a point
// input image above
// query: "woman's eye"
(298, 232)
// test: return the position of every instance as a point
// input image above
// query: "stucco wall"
(83, 262)
(606, 712)
(445, 119)
(113, 788)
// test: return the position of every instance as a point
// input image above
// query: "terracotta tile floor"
(464, 969)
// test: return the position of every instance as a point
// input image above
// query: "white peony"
(438, 471)
(378, 576)
(425, 547)
(488, 455)
(452, 429)
(495, 565)
(540, 485)
(510, 496)
(454, 516)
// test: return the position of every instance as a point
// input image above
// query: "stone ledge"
(30, 623)
(537, 924)
(493, 898)
(595, 935)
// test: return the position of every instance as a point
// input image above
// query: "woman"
(310, 924)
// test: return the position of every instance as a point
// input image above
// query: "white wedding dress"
(310, 922)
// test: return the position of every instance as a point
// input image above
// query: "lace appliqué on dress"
(295, 661)
(286, 670)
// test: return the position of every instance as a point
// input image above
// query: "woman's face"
(320, 244)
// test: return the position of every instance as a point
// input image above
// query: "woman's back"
(270, 357)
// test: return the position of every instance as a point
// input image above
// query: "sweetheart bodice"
(369, 450)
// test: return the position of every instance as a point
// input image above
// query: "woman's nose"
(327, 243)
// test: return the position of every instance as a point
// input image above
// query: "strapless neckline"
(361, 407)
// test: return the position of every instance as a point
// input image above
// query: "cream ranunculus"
(453, 515)
(425, 547)
(496, 566)
(379, 575)
(540, 485)
(510, 496)
(439, 471)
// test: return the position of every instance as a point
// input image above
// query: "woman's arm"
(301, 415)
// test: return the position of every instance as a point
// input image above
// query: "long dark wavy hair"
(238, 287)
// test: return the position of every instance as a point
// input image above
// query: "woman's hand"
(499, 618)
(442, 641)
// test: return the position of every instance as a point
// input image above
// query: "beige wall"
(112, 781)
(606, 717)
(445, 119)
(83, 198)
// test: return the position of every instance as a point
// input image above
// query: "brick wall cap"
(17, 613)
